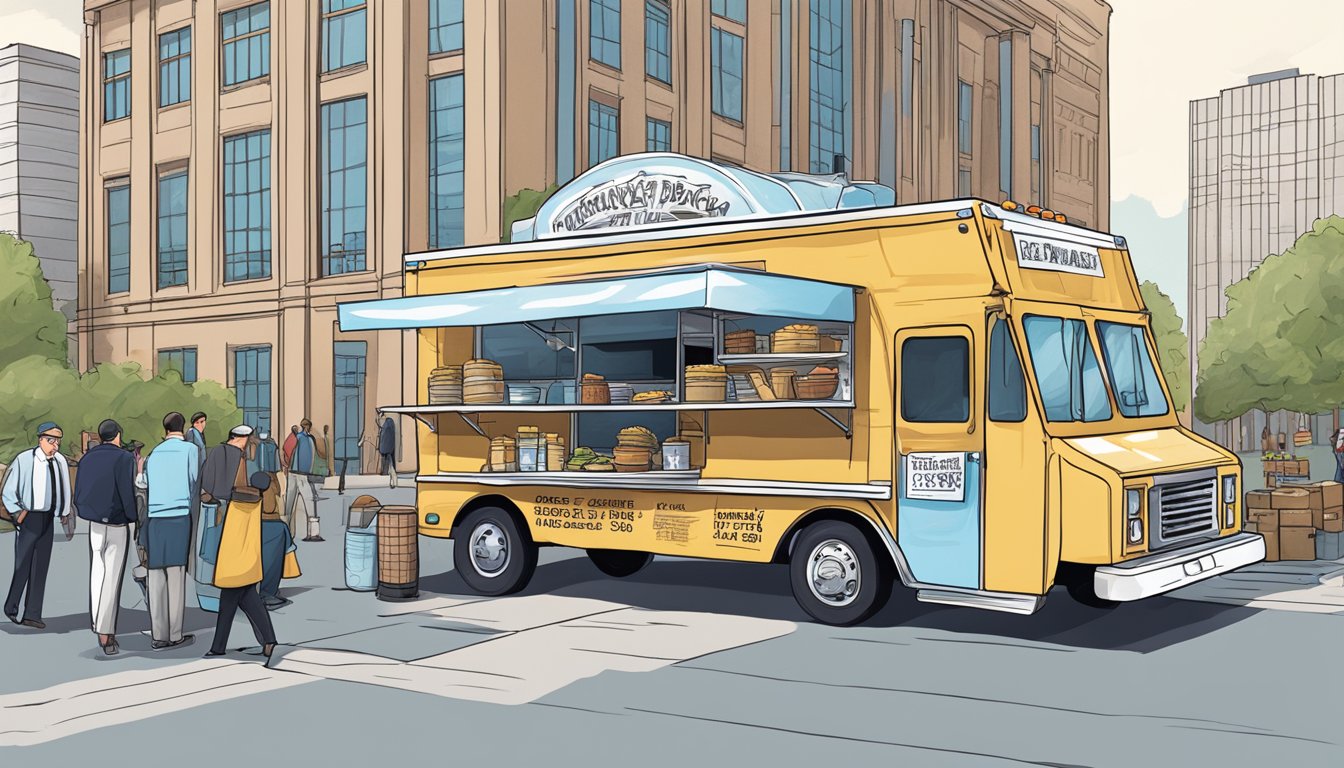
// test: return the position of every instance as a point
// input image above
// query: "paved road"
(686, 661)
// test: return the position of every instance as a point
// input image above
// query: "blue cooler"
(361, 545)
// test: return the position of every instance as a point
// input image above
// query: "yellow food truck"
(685, 359)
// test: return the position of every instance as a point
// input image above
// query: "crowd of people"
(225, 500)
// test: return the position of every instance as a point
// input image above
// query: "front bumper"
(1165, 571)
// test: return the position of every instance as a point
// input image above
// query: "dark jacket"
(105, 485)
(387, 438)
(219, 475)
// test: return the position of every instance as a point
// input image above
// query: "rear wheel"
(492, 553)
(837, 576)
(1080, 581)
(619, 562)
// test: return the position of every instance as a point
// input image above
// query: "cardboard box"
(1271, 544)
(1296, 518)
(1259, 499)
(1263, 519)
(1322, 495)
(1329, 546)
(1291, 498)
(1332, 520)
(1275, 465)
(1270, 480)
(1297, 543)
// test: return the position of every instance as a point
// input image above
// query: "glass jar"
(530, 447)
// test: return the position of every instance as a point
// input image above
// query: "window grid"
(119, 239)
(659, 135)
(343, 33)
(733, 10)
(826, 86)
(344, 159)
(351, 365)
(447, 163)
(726, 74)
(175, 67)
(247, 206)
(445, 26)
(658, 40)
(252, 385)
(246, 36)
(603, 132)
(182, 360)
(116, 85)
(172, 245)
(965, 117)
(604, 32)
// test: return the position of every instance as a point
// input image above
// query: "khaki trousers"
(167, 602)
(107, 567)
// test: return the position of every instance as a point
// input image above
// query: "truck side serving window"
(1007, 388)
(1067, 371)
(936, 380)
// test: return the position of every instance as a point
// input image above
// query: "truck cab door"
(939, 516)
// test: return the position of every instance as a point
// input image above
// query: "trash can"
(361, 544)
(398, 553)
(207, 594)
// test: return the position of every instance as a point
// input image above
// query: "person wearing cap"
(105, 497)
(36, 492)
(238, 568)
(172, 476)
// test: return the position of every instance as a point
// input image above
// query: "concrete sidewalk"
(1313, 586)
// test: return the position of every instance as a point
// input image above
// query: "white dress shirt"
(42, 482)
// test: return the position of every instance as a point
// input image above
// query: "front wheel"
(836, 575)
(492, 553)
(618, 562)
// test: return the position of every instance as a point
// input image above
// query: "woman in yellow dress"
(238, 567)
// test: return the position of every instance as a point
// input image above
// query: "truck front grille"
(1183, 510)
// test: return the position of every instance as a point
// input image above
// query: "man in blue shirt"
(172, 474)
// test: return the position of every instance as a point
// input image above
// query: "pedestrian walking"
(276, 543)
(196, 436)
(37, 493)
(172, 477)
(105, 497)
(238, 568)
(387, 449)
(300, 491)
(1339, 456)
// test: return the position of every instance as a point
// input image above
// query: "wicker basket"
(781, 381)
(739, 343)
(478, 390)
(816, 387)
(595, 393)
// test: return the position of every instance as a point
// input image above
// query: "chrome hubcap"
(489, 549)
(833, 573)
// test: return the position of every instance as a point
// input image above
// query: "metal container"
(676, 454)
(531, 450)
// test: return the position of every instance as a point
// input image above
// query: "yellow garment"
(239, 561)
(291, 566)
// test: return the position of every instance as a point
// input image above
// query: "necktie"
(53, 496)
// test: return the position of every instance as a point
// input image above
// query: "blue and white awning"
(708, 286)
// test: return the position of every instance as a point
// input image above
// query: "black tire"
(1078, 580)
(836, 545)
(619, 562)
(498, 532)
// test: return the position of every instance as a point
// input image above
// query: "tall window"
(603, 132)
(247, 206)
(566, 87)
(726, 74)
(116, 85)
(173, 229)
(828, 94)
(604, 32)
(351, 359)
(344, 156)
(343, 33)
(252, 385)
(175, 67)
(965, 136)
(447, 164)
(246, 35)
(907, 140)
(736, 10)
(119, 238)
(445, 25)
(659, 136)
(658, 40)
(182, 360)
(1006, 117)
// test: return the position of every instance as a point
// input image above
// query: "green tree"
(1280, 345)
(1172, 344)
(523, 205)
(32, 326)
(40, 385)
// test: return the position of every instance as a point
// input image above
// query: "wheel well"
(489, 500)
(865, 526)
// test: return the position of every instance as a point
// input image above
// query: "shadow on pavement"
(763, 591)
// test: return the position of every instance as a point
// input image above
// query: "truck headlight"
(1230, 489)
(1135, 531)
(1133, 501)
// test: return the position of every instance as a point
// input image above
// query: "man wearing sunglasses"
(38, 490)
